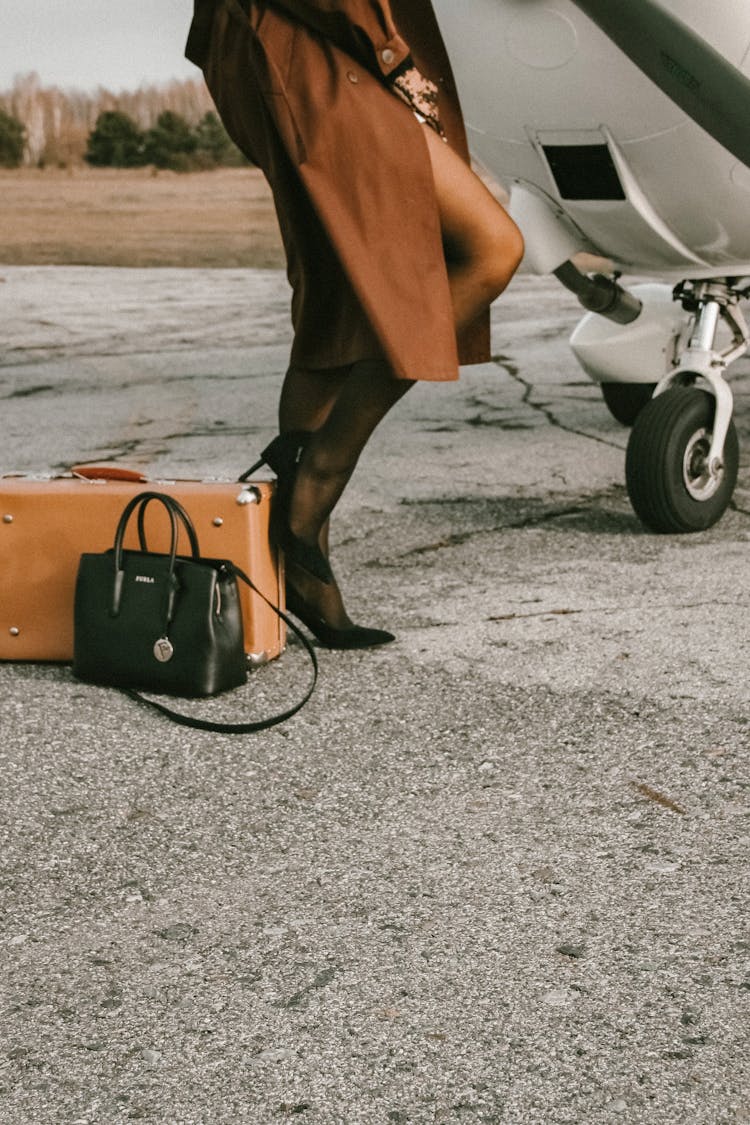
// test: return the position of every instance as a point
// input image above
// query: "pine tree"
(12, 140)
(171, 143)
(115, 142)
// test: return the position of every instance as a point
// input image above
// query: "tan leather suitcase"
(46, 525)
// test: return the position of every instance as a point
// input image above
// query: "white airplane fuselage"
(596, 156)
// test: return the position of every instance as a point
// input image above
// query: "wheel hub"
(701, 479)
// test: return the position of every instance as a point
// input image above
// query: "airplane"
(622, 130)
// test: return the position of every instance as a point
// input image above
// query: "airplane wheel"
(668, 480)
(625, 401)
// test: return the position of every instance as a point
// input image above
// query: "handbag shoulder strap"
(258, 724)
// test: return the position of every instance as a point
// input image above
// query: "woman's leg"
(364, 398)
(483, 246)
(307, 397)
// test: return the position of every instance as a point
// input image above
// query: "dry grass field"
(114, 217)
(140, 217)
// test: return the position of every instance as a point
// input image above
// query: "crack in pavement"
(29, 392)
(140, 449)
(505, 364)
(218, 429)
(607, 609)
(457, 538)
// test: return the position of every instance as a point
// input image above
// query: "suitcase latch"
(248, 496)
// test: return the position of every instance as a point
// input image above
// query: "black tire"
(668, 485)
(625, 401)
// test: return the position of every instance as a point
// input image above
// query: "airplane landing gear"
(683, 455)
(670, 481)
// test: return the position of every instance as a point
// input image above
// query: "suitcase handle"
(108, 472)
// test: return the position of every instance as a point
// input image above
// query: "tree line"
(170, 126)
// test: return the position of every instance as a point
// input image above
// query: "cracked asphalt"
(493, 873)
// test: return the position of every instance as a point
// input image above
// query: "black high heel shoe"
(283, 456)
(354, 636)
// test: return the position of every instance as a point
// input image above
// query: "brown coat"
(301, 87)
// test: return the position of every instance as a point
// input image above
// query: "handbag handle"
(174, 510)
(179, 510)
(258, 724)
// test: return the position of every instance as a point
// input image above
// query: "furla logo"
(145, 578)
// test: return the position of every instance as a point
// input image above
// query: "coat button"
(388, 56)
(352, 77)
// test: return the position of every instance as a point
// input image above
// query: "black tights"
(341, 407)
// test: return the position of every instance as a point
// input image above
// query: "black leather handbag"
(166, 623)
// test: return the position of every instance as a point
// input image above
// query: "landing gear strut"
(683, 455)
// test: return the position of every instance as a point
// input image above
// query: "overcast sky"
(87, 43)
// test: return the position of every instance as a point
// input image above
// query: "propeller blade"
(693, 74)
